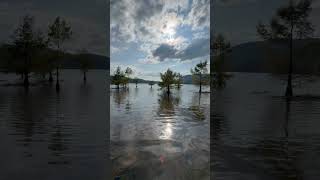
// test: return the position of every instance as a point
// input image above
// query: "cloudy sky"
(87, 19)
(151, 36)
(237, 19)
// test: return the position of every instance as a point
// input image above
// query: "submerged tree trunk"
(50, 77)
(26, 73)
(168, 89)
(26, 79)
(84, 76)
(200, 88)
(289, 83)
(57, 83)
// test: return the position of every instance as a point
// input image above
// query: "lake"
(156, 136)
(256, 134)
(50, 136)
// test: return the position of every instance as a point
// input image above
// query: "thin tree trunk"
(84, 76)
(289, 83)
(200, 89)
(26, 79)
(50, 77)
(168, 89)
(26, 73)
(57, 83)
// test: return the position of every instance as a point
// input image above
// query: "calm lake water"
(156, 136)
(50, 136)
(259, 135)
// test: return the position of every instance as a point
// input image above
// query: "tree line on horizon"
(170, 79)
(31, 51)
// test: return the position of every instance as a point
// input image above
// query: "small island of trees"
(31, 52)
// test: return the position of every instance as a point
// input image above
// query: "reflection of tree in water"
(167, 103)
(58, 138)
(277, 152)
(119, 96)
(28, 111)
(196, 108)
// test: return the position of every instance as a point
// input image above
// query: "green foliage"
(167, 79)
(26, 48)
(289, 21)
(200, 74)
(59, 32)
(179, 80)
(221, 47)
(121, 77)
(118, 77)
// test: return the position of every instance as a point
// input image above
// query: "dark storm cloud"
(164, 51)
(87, 18)
(197, 48)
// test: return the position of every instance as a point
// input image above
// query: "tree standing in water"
(199, 74)
(136, 80)
(85, 64)
(59, 32)
(151, 83)
(26, 45)
(221, 47)
(289, 22)
(179, 80)
(117, 77)
(128, 72)
(167, 80)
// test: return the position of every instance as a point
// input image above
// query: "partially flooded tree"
(179, 80)
(199, 74)
(221, 47)
(128, 72)
(59, 32)
(136, 80)
(289, 22)
(26, 46)
(85, 63)
(117, 77)
(151, 83)
(167, 80)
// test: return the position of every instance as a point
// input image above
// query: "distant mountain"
(273, 56)
(186, 80)
(69, 61)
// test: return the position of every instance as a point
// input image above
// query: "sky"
(150, 36)
(88, 19)
(237, 19)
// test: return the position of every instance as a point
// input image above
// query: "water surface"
(156, 136)
(259, 135)
(49, 136)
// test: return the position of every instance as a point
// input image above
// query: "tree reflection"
(167, 103)
(119, 96)
(196, 108)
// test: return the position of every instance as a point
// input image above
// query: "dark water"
(156, 136)
(50, 136)
(259, 135)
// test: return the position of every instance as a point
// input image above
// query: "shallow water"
(257, 134)
(49, 136)
(156, 136)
